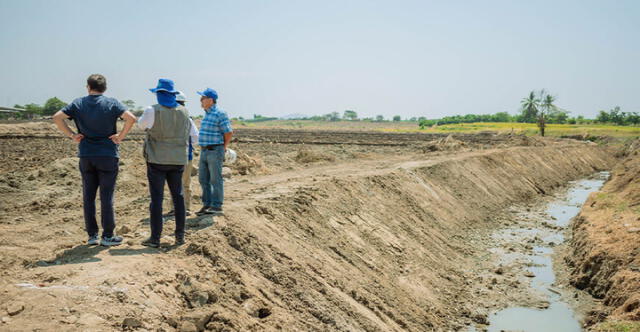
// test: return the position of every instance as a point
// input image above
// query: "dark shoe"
(151, 243)
(205, 210)
(173, 213)
(179, 240)
(111, 241)
(94, 240)
(217, 211)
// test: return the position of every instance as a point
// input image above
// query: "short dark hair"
(97, 82)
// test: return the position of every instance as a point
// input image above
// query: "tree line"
(350, 115)
(32, 110)
(539, 107)
(54, 104)
(617, 116)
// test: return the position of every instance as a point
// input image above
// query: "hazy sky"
(411, 58)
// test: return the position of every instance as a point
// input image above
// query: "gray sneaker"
(93, 240)
(111, 241)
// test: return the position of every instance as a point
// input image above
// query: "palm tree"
(546, 107)
(530, 107)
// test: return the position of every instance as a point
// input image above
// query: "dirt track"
(384, 237)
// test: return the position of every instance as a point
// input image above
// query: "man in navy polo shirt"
(215, 136)
(95, 117)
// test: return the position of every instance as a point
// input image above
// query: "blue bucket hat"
(166, 85)
(209, 93)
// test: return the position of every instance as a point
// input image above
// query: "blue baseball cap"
(209, 93)
(166, 85)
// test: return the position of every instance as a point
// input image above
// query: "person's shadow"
(197, 223)
(194, 222)
(76, 255)
(139, 251)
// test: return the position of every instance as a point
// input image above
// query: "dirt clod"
(199, 318)
(226, 172)
(15, 308)
(90, 319)
(480, 319)
(308, 156)
(123, 230)
(188, 327)
(131, 323)
(69, 319)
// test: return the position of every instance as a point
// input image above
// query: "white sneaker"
(111, 241)
(93, 240)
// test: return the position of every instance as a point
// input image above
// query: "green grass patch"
(617, 326)
(611, 201)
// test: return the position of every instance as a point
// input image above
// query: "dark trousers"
(99, 172)
(157, 175)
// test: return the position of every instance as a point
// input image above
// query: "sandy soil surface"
(354, 232)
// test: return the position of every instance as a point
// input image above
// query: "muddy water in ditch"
(558, 316)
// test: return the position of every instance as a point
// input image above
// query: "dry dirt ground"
(322, 231)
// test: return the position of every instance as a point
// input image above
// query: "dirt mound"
(626, 148)
(606, 243)
(524, 140)
(585, 137)
(309, 156)
(247, 165)
(444, 144)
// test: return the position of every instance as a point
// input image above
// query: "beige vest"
(167, 142)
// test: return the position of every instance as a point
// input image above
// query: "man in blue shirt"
(215, 135)
(95, 117)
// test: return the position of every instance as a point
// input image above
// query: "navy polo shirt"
(95, 117)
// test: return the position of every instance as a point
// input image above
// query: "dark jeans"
(157, 174)
(99, 172)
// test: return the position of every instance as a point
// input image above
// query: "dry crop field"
(529, 129)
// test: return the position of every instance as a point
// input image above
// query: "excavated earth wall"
(605, 257)
(384, 251)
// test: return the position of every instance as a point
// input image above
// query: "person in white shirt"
(169, 129)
